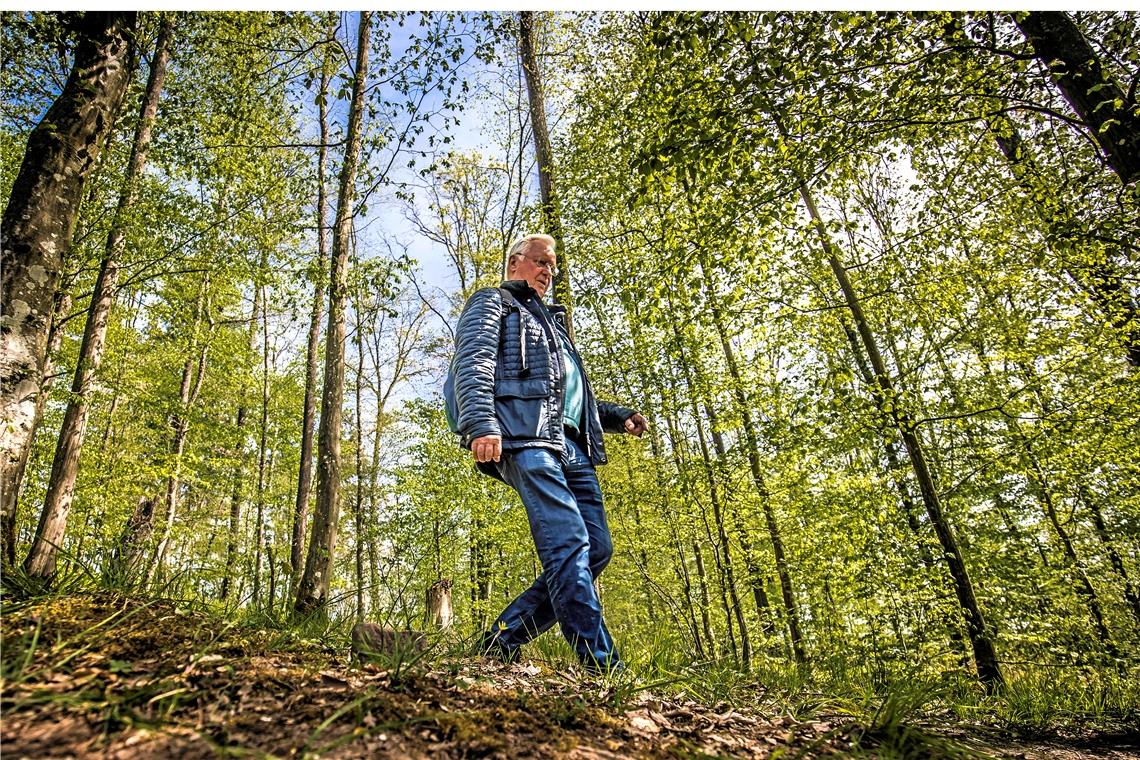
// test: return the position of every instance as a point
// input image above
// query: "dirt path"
(102, 676)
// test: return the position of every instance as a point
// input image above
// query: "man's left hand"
(636, 424)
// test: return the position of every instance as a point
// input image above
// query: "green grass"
(1045, 698)
(888, 700)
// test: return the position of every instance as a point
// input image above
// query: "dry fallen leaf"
(330, 678)
(660, 719)
(640, 722)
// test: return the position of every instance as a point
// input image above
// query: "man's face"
(536, 265)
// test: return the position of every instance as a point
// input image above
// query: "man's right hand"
(487, 448)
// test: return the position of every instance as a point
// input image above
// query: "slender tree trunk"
(1111, 115)
(109, 436)
(985, 656)
(702, 576)
(475, 561)
(262, 454)
(312, 368)
(234, 535)
(909, 508)
(1084, 585)
(373, 508)
(703, 597)
(271, 557)
(751, 440)
(1039, 485)
(358, 503)
(37, 228)
(312, 593)
(608, 344)
(668, 507)
(193, 375)
(550, 209)
(1131, 597)
(65, 467)
(713, 470)
(887, 400)
(717, 469)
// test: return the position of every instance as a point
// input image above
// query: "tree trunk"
(716, 470)
(238, 477)
(312, 593)
(1038, 481)
(10, 497)
(702, 576)
(1131, 597)
(373, 509)
(38, 223)
(305, 474)
(703, 589)
(193, 374)
(888, 401)
(439, 610)
(611, 350)
(909, 508)
(126, 560)
(751, 440)
(713, 470)
(550, 209)
(985, 656)
(262, 452)
(358, 491)
(65, 467)
(1110, 114)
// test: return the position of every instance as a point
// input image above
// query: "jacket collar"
(522, 289)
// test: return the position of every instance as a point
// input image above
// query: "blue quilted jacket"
(509, 376)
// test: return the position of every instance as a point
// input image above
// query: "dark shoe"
(489, 646)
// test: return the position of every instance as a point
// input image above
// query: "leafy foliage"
(771, 530)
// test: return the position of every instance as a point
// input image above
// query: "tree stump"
(439, 609)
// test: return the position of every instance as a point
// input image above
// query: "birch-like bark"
(65, 466)
(37, 228)
(237, 482)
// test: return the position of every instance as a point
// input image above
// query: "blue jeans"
(568, 523)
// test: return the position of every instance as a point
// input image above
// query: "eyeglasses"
(546, 264)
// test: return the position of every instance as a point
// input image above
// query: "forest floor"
(101, 675)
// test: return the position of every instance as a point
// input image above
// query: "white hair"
(520, 246)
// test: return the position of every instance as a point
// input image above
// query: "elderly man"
(527, 413)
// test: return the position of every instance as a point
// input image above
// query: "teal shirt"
(575, 396)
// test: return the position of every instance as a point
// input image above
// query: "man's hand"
(489, 447)
(636, 424)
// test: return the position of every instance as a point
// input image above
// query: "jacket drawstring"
(522, 347)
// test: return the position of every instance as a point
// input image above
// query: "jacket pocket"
(520, 406)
